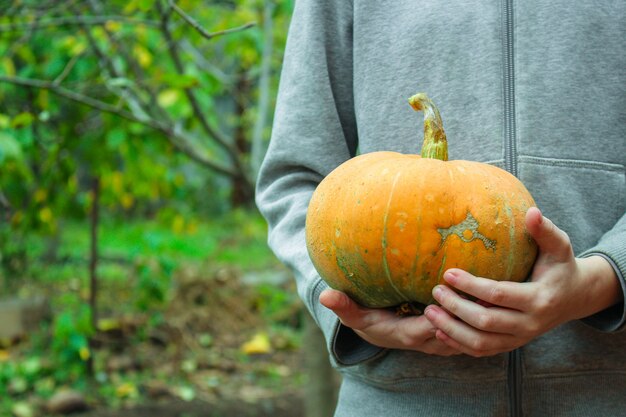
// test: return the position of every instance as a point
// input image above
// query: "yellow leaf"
(8, 66)
(74, 45)
(127, 200)
(155, 192)
(125, 390)
(244, 15)
(166, 98)
(22, 120)
(249, 57)
(4, 355)
(178, 224)
(40, 195)
(78, 48)
(42, 99)
(17, 218)
(117, 182)
(84, 353)
(143, 56)
(45, 215)
(107, 324)
(112, 25)
(259, 344)
(5, 121)
(141, 32)
(130, 7)
(89, 197)
(72, 183)
(192, 228)
(179, 180)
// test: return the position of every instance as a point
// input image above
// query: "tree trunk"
(320, 396)
(258, 147)
(241, 194)
(93, 266)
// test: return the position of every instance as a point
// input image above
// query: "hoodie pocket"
(584, 198)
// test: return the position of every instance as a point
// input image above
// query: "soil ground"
(227, 309)
(198, 346)
(280, 407)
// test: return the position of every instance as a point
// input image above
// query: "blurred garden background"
(135, 278)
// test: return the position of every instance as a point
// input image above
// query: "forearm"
(612, 249)
(602, 285)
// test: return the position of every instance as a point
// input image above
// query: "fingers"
(384, 328)
(513, 295)
(434, 346)
(494, 319)
(453, 344)
(349, 312)
(466, 339)
(551, 240)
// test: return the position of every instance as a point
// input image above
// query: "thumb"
(349, 312)
(551, 240)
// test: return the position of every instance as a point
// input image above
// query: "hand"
(509, 314)
(385, 329)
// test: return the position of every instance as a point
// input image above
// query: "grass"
(236, 239)
(138, 257)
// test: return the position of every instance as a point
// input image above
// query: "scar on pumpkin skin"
(470, 224)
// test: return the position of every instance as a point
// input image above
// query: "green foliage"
(51, 147)
(168, 140)
(71, 330)
(153, 284)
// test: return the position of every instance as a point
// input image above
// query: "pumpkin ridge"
(384, 239)
(512, 241)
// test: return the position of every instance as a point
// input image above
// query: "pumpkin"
(383, 227)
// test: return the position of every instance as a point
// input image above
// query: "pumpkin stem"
(435, 144)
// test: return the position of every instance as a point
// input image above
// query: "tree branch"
(178, 64)
(257, 148)
(75, 20)
(4, 202)
(134, 101)
(68, 67)
(206, 34)
(136, 69)
(178, 140)
(195, 104)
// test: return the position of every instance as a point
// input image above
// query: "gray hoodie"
(535, 87)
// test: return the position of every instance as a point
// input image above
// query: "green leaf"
(145, 5)
(5, 121)
(22, 120)
(115, 138)
(9, 148)
(180, 81)
(169, 97)
(120, 82)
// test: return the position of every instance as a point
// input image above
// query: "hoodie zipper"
(514, 376)
(514, 381)
(510, 142)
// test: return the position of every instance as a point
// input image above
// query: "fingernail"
(430, 312)
(437, 292)
(450, 276)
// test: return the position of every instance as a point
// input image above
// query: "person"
(536, 88)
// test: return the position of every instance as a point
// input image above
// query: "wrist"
(601, 285)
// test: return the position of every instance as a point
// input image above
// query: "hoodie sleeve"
(612, 247)
(314, 131)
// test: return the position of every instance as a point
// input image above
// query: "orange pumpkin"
(383, 227)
